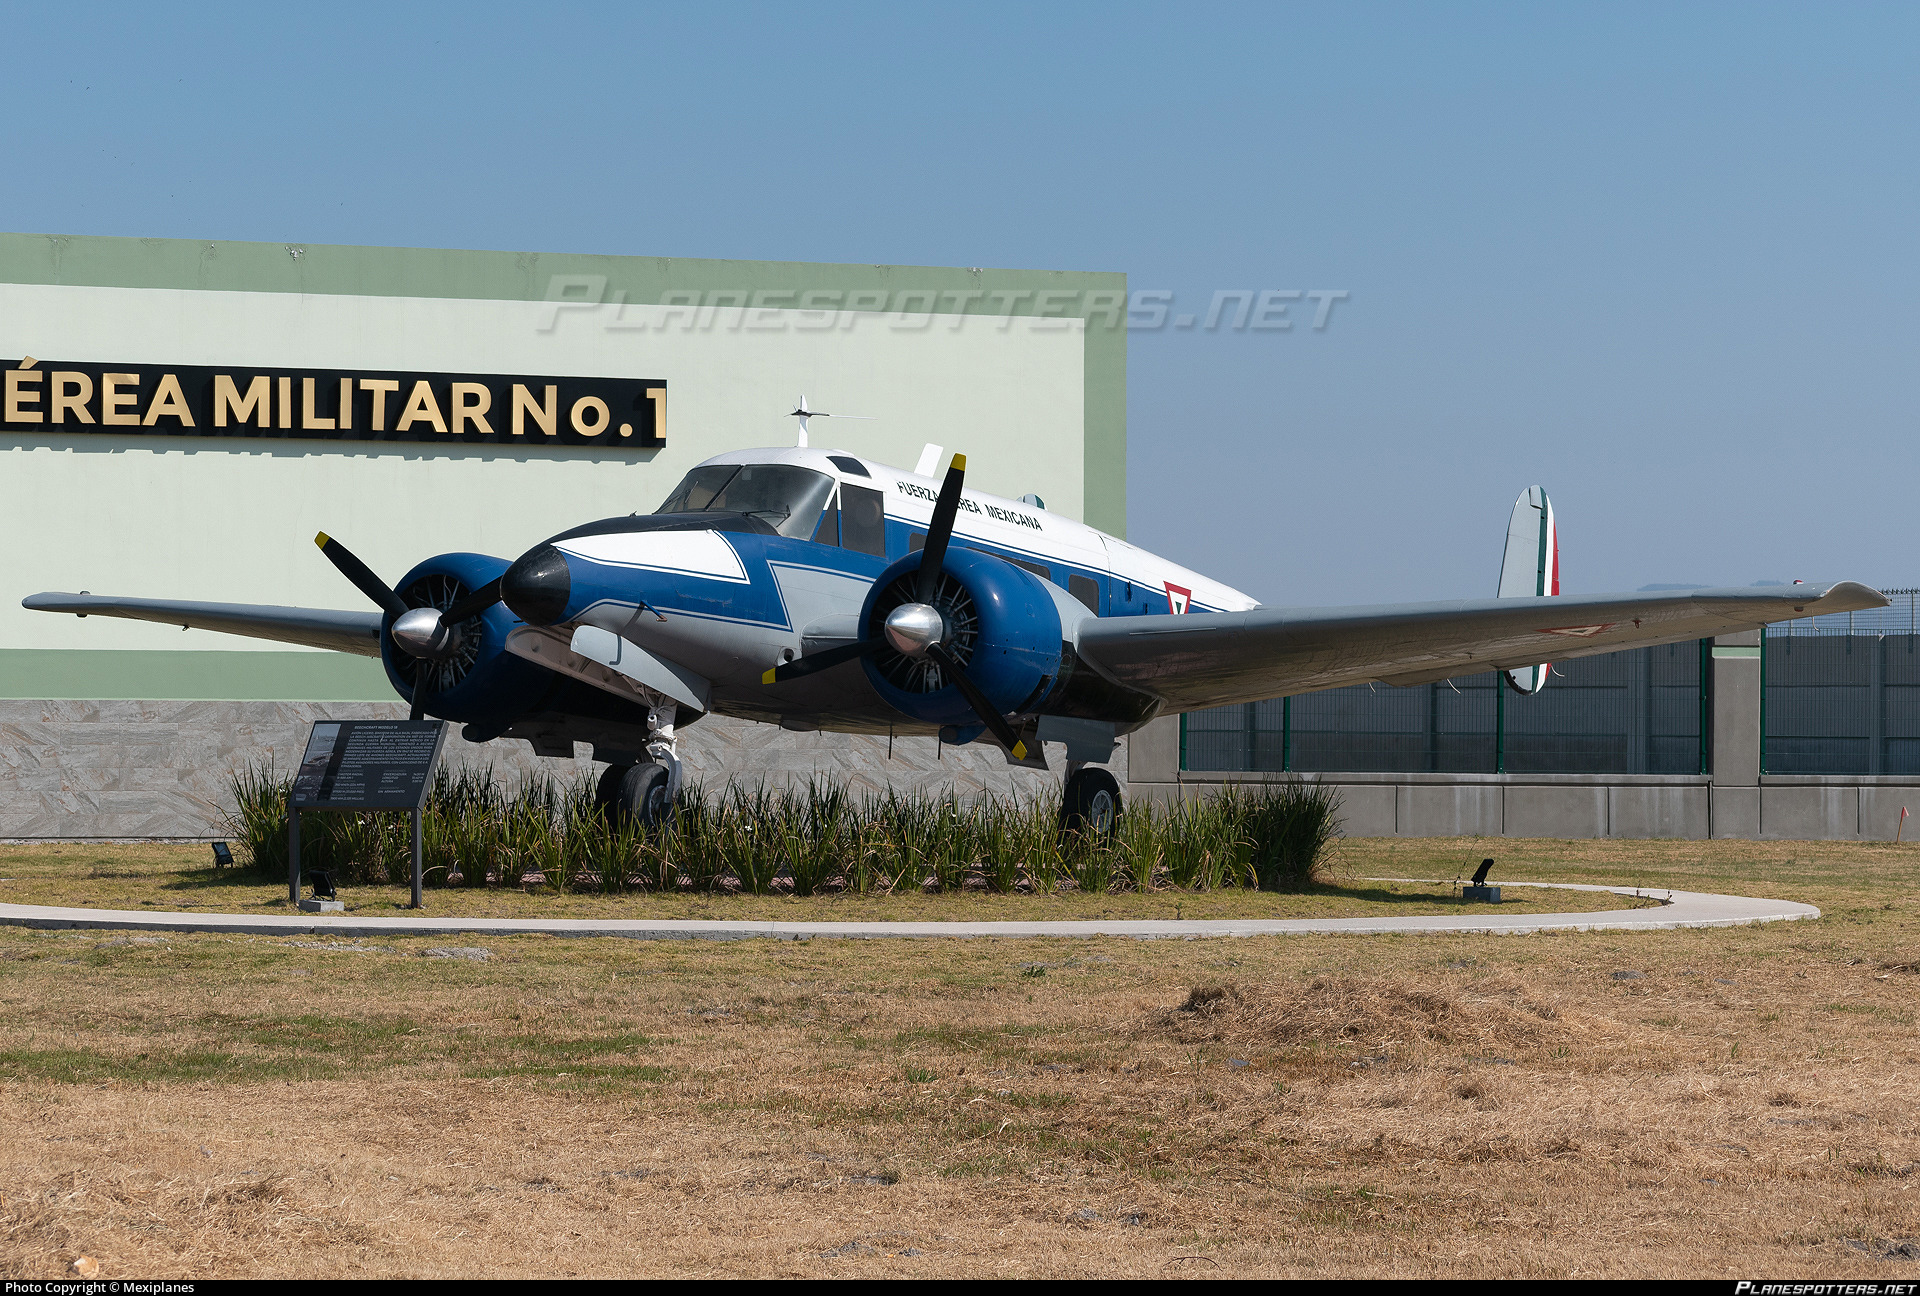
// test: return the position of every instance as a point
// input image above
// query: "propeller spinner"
(918, 630)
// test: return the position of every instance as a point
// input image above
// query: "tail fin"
(1530, 568)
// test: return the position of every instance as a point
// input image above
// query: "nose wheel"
(1091, 803)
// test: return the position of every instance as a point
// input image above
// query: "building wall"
(118, 728)
(160, 770)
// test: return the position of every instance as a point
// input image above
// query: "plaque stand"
(363, 765)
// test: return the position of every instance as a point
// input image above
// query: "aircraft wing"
(353, 632)
(1206, 659)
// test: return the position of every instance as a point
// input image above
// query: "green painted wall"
(524, 276)
(103, 674)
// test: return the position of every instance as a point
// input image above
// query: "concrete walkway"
(1678, 909)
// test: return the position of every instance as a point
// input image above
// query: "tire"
(1092, 803)
(607, 793)
(641, 796)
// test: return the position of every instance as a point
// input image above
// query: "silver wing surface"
(353, 632)
(1206, 659)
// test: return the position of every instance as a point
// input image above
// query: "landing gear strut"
(644, 794)
(1092, 801)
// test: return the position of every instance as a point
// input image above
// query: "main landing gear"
(644, 793)
(1092, 801)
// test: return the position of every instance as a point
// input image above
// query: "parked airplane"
(816, 589)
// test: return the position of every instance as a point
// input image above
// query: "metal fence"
(1642, 711)
(1838, 703)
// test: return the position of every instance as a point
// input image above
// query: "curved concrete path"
(1677, 909)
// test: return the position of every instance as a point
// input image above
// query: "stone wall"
(92, 770)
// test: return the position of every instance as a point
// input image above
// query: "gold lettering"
(657, 397)
(421, 408)
(310, 419)
(112, 398)
(588, 404)
(226, 397)
(379, 387)
(481, 401)
(346, 404)
(286, 402)
(168, 399)
(62, 401)
(546, 414)
(19, 396)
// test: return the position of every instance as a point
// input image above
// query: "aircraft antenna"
(803, 414)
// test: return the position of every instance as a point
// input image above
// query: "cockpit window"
(787, 498)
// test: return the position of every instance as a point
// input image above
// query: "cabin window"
(786, 498)
(1087, 590)
(848, 464)
(863, 520)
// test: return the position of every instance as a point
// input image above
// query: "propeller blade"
(935, 552)
(475, 602)
(978, 701)
(360, 574)
(801, 666)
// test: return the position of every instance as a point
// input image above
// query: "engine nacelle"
(481, 683)
(1003, 628)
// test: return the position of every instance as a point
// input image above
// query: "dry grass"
(162, 877)
(1305, 1106)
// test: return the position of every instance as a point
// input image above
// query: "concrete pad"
(1677, 909)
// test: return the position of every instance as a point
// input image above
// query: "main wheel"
(636, 794)
(1092, 802)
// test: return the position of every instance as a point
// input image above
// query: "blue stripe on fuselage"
(758, 601)
(708, 598)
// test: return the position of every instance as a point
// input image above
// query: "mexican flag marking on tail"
(1531, 569)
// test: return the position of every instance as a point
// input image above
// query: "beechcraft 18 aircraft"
(816, 589)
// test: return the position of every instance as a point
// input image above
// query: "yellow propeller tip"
(768, 677)
(1019, 751)
(960, 462)
(321, 539)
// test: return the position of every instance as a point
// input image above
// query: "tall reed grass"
(823, 839)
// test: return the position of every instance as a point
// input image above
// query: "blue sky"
(1658, 258)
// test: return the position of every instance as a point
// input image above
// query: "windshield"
(787, 498)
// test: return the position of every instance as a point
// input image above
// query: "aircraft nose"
(536, 588)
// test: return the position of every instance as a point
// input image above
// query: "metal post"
(293, 855)
(1499, 723)
(1286, 734)
(416, 857)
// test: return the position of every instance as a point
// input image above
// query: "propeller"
(424, 632)
(918, 630)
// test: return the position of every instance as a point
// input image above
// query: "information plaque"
(362, 765)
(368, 764)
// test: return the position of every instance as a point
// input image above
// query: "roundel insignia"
(1179, 599)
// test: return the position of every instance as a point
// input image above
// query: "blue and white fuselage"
(765, 556)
